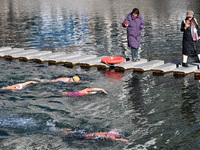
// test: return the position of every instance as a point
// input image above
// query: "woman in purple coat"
(134, 24)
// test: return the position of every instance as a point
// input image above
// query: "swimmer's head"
(19, 86)
(76, 78)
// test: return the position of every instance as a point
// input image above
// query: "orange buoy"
(113, 60)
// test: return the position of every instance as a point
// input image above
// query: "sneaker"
(185, 64)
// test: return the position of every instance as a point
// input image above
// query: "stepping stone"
(21, 54)
(197, 72)
(165, 68)
(5, 49)
(148, 65)
(101, 66)
(79, 59)
(183, 71)
(91, 62)
(9, 52)
(65, 57)
(36, 55)
(157, 66)
(129, 64)
(49, 57)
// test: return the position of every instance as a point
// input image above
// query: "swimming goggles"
(73, 79)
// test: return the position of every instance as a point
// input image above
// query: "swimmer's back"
(74, 94)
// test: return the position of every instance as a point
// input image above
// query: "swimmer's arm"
(97, 89)
(54, 80)
(42, 80)
(123, 140)
(9, 87)
(94, 136)
(60, 79)
(27, 83)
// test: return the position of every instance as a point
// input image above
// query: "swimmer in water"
(87, 91)
(18, 86)
(111, 135)
(74, 79)
(82, 134)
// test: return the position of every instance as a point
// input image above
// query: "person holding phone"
(191, 35)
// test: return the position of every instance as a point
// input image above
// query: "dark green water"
(153, 112)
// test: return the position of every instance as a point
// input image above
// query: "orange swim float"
(113, 60)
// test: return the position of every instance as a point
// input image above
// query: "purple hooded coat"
(135, 25)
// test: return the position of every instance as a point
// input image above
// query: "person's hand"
(104, 91)
(187, 24)
(199, 37)
(126, 23)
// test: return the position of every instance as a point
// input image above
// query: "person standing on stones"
(191, 35)
(134, 24)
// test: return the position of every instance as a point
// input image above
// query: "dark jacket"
(189, 46)
(135, 25)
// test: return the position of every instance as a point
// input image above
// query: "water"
(153, 112)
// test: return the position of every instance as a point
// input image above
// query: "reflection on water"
(93, 26)
(154, 112)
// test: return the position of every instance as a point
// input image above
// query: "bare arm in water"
(89, 90)
(74, 79)
(18, 86)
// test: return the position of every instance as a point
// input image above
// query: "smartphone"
(126, 23)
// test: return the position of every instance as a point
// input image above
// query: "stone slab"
(168, 67)
(36, 55)
(197, 72)
(91, 61)
(21, 54)
(148, 65)
(65, 57)
(11, 51)
(51, 55)
(77, 60)
(186, 70)
(101, 65)
(5, 48)
(129, 64)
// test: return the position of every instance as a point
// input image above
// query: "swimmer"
(82, 134)
(74, 79)
(18, 86)
(87, 91)
(111, 135)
